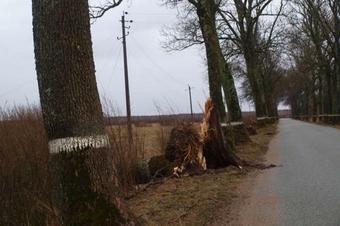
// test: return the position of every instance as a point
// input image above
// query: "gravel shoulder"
(256, 205)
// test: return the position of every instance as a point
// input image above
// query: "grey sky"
(155, 75)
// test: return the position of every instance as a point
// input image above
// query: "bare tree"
(218, 74)
(327, 15)
(198, 26)
(251, 37)
(244, 28)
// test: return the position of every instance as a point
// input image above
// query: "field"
(152, 138)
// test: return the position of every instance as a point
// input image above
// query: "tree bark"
(269, 92)
(218, 70)
(253, 77)
(206, 15)
(336, 13)
(85, 189)
(230, 93)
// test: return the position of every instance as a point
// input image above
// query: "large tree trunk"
(218, 69)
(271, 106)
(230, 93)
(269, 94)
(321, 94)
(85, 189)
(337, 52)
(329, 100)
(207, 22)
(254, 81)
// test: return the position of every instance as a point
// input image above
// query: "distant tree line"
(313, 82)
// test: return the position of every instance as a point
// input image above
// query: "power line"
(154, 14)
(156, 64)
(115, 65)
(155, 79)
(115, 49)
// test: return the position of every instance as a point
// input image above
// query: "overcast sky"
(156, 76)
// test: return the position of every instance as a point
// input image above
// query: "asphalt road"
(306, 189)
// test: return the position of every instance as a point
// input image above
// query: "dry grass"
(194, 200)
(155, 137)
(24, 176)
(23, 168)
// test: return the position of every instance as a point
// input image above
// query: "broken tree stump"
(191, 151)
(217, 150)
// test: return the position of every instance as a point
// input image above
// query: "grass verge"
(194, 200)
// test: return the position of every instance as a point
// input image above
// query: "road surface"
(306, 189)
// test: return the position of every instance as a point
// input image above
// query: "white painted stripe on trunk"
(231, 124)
(69, 144)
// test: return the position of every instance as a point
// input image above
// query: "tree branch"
(99, 11)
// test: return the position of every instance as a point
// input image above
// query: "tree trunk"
(85, 190)
(230, 93)
(310, 103)
(257, 91)
(329, 100)
(269, 93)
(206, 17)
(337, 52)
(321, 94)
(217, 152)
(271, 105)
(206, 12)
(218, 70)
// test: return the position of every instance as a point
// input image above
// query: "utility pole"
(126, 76)
(190, 98)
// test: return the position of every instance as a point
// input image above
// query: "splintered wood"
(192, 152)
(184, 149)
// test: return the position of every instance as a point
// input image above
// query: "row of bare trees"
(314, 37)
(243, 33)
